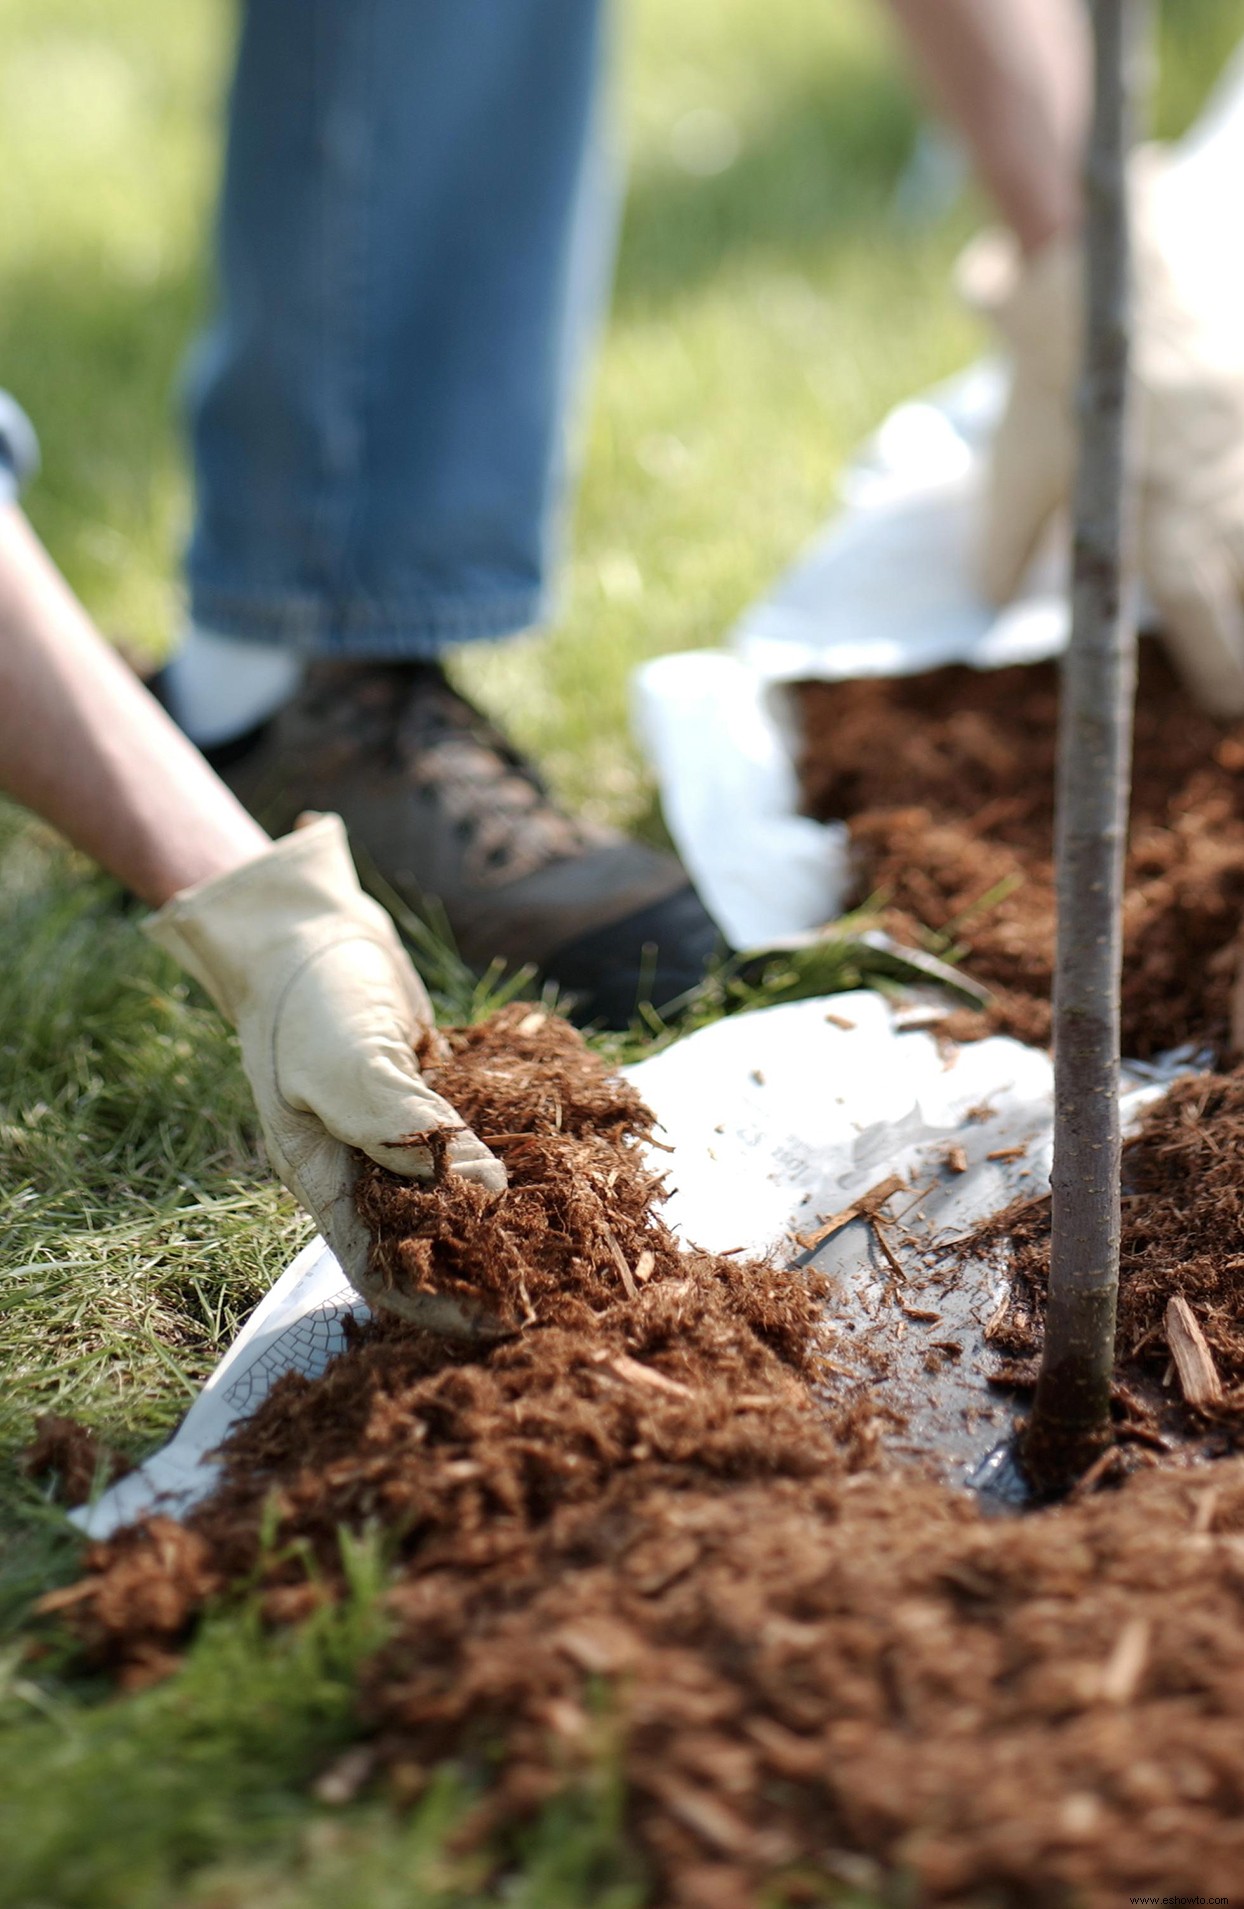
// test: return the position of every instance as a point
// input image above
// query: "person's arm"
(330, 1014)
(1013, 78)
(84, 745)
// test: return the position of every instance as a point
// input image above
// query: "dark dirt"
(947, 783)
(69, 1457)
(817, 1662)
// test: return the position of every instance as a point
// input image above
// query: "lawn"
(783, 279)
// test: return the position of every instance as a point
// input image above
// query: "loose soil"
(947, 780)
(652, 1524)
(68, 1458)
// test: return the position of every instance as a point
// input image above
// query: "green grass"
(766, 316)
(193, 1793)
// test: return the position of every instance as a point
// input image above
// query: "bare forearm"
(85, 746)
(1013, 78)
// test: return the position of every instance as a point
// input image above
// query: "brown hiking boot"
(449, 812)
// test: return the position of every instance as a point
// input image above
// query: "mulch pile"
(1183, 1235)
(647, 1521)
(70, 1458)
(947, 781)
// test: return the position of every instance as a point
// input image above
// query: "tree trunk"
(1070, 1423)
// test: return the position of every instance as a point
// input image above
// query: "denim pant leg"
(19, 449)
(416, 214)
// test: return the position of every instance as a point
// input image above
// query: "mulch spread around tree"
(946, 781)
(1182, 1241)
(648, 1525)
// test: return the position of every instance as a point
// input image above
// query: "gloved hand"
(1188, 367)
(328, 1010)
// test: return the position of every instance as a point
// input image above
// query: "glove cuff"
(1036, 303)
(273, 908)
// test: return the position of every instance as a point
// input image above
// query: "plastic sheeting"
(776, 1119)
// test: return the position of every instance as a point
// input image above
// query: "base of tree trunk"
(1068, 1431)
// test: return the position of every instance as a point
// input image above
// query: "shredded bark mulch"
(947, 783)
(1182, 1239)
(646, 1526)
(66, 1456)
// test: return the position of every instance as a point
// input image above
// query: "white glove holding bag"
(1188, 370)
(328, 1010)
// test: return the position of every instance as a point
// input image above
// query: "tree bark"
(1070, 1422)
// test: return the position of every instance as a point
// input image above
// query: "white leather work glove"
(1188, 368)
(328, 1010)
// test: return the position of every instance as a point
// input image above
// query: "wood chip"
(876, 1196)
(892, 1259)
(343, 1780)
(863, 1207)
(644, 1267)
(827, 1229)
(1009, 1153)
(956, 1160)
(597, 1645)
(1198, 1376)
(914, 1202)
(566, 1718)
(628, 1368)
(1105, 1466)
(65, 1597)
(699, 1811)
(1125, 1666)
(620, 1261)
(840, 1020)
(1203, 1519)
(1141, 1434)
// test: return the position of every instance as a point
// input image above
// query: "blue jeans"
(19, 449)
(417, 220)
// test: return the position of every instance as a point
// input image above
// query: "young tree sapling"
(1070, 1422)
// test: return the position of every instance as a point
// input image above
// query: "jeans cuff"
(367, 629)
